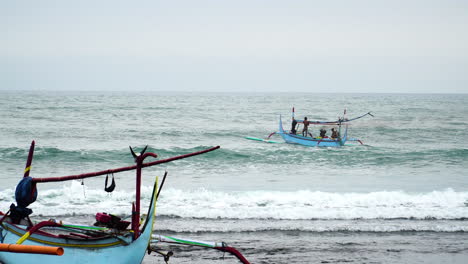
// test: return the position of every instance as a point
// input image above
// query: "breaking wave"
(75, 199)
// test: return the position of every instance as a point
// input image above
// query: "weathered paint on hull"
(307, 141)
(108, 250)
(132, 253)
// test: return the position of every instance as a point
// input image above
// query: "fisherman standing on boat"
(305, 130)
(293, 126)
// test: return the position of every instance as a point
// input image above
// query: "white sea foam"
(75, 199)
(261, 225)
(446, 204)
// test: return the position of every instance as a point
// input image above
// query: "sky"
(338, 46)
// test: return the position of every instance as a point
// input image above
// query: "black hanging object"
(112, 186)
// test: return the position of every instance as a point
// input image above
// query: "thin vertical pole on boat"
(136, 229)
(30, 157)
(139, 166)
(134, 221)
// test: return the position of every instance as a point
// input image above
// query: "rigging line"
(82, 183)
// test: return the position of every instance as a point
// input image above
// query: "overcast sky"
(235, 46)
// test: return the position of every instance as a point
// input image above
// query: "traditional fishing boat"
(109, 240)
(340, 127)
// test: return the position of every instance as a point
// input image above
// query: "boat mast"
(136, 213)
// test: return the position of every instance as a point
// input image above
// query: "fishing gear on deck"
(110, 221)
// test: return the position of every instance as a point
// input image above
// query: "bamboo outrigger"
(59, 243)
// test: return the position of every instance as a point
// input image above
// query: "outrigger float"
(111, 241)
(292, 137)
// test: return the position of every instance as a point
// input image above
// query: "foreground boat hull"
(308, 141)
(131, 253)
(121, 249)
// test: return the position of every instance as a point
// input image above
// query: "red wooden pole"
(104, 172)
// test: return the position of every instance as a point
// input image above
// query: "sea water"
(402, 197)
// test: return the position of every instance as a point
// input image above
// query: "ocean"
(402, 197)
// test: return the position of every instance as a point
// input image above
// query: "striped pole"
(30, 157)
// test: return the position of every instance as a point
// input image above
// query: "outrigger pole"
(221, 246)
(104, 172)
(352, 119)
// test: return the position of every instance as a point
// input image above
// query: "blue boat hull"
(309, 141)
(115, 249)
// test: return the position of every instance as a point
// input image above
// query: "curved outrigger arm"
(355, 118)
(221, 246)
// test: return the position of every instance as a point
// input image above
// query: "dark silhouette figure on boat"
(323, 133)
(334, 134)
(293, 126)
(305, 130)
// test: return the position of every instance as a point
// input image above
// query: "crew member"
(305, 130)
(334, 134)
(293, 126)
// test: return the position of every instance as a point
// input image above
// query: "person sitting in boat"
(322, 133)
(306, 124)
(293, 126)
(334, 134)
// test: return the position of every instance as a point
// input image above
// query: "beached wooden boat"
(341, 126)
(113, 241)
